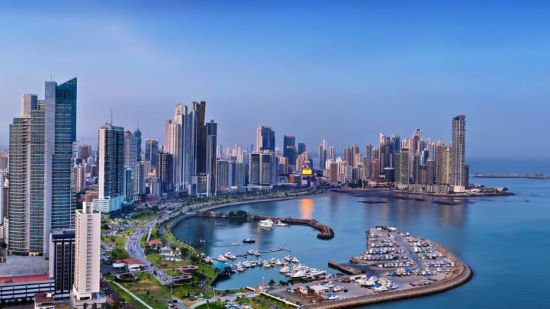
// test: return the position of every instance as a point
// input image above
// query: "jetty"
(325, 232)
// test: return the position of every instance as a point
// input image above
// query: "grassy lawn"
(148, 289)
(126, 297)
(119, 243)
(252, 303)
(213, 305)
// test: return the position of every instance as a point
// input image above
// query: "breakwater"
(325, 232)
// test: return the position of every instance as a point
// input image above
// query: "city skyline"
(439, 71)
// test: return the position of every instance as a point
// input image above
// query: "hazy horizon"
(342, 71)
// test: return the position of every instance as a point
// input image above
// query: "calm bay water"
(506, 240)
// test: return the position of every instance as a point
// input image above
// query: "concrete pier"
(325, 232)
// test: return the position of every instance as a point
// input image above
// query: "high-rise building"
(2, 203)
(402, 167)
(268, 169)
(111, 166)
(188, 145)
(4, 156)
(79, 173)
(166, 171)
(111, 161)
(42, 196)
(368, 161)
(130, 150)
(139, 179)
(168, 136)
(129, 194)
(254, 169)
(137, 139)
(354, 152)
(289, 150)
(442, 164)
(332, 153)
(323, 154)
(61, 261)
(84, 152)
(239, 174)
(265, 139)
(458, 150)
(151, 152)
(348, 155)
(211, 131)
(223, 174)
(301, 148)
(60, 133)
(86, 292)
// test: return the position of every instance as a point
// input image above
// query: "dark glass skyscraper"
(301, 148)
(137, 138)
(59, 148)
(265, 139)
(289, 149)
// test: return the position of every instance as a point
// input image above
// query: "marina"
(395, 265)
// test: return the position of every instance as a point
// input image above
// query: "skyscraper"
(289, 150)
(166, 171)
(61, 260)
(265, 139)
(254, 169)
(137, 138)
(458, 150)
(322, 154)
(192, 147)
(151, 152)
(402, 167)
(301, 148)
(332, 153)
(87, 258)
(211, 130)
(130, 149)
(42, 196)
(111, 166)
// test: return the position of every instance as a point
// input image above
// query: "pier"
(348, 270)
(325, 232)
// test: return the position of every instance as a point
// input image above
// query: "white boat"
(230, 255)
(221, 258)
(280, 223)
(267, 265)
(298, 274)
(284, 270)
(257, 253)
(267, 223)
(278, 262)
(295, 260)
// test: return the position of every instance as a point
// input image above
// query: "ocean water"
(506, 240)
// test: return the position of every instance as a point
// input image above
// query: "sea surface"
(506, 240)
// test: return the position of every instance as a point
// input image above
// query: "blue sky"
(345, 70)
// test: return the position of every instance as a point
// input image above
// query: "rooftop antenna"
(111, 117)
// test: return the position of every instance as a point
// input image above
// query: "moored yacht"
(267, 223)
